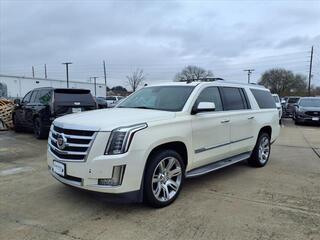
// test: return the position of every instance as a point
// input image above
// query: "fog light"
(117, 176)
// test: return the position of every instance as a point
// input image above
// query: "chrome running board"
(217, 165)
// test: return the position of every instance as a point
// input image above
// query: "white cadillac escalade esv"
(162, 134)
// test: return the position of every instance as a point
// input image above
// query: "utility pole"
(95, 85)
(310, 72)
(45, 71)
(105, 75)
(67, 71)
(33, 71)
(249, 73)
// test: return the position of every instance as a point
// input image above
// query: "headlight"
(120, 139)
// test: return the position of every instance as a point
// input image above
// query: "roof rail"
(205, 79)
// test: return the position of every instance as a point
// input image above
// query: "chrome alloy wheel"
(264, 149)
(166, 179)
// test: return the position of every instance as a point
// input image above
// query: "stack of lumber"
(6, 108)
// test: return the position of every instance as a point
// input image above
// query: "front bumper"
(306, 118)
(86, 174)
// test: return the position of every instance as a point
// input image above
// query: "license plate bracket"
(59, 168)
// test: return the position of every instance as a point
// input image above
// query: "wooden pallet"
(6, 108)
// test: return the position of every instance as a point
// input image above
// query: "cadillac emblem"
(61, 141)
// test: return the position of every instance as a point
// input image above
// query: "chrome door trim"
(203, 149)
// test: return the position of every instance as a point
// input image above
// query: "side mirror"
(205, 107)
(17, 101)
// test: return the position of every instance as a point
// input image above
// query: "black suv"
(307, 110)
(41, 106)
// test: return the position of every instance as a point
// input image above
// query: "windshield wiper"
(140, 107)
(144, 107)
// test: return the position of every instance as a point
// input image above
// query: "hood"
(305, 109)
(109, 119)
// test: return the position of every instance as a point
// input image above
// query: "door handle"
(251, 117)
(225, 121)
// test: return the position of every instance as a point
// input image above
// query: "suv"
(307, 110)
(113, 100)
(41, 106)
(150, 142)
(289, 106)
(278, 104)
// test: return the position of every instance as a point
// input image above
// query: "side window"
(263, 98)
(27, 97)
(44, 97)
(33, 98)
(233, 99)
(210, 94)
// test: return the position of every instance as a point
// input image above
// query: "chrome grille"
(313, 113)
(70, 144)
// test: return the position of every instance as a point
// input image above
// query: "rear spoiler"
(72, 90)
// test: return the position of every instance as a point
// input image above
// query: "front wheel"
(261, 152)
(163, 178)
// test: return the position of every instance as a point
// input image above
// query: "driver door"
(210, 130)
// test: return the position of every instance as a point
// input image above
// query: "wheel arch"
(266, 129)
(178, 146)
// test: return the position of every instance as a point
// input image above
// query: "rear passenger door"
(210, 130)
(242, 122)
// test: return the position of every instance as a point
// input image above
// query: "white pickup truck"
(162, 134)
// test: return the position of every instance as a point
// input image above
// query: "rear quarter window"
(263, 98)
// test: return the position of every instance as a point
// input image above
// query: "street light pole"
(95, 85)
(67, 71)
(249, 73)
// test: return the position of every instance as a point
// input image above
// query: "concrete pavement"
(279, 201)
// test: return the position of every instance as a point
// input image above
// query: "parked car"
(113, 100)
(278, 104)
(307, 110)
(102, 102)
(148, 144)
(41, 106)
(289, 107)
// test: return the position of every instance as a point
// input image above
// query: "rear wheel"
(38, 129)
(164, 178)
(261, 152)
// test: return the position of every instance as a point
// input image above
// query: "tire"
(161, 189)
(261, 152)
(16, 127)
(38, 129)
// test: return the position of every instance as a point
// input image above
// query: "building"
(17, 86)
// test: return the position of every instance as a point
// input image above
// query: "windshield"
(310, 102)
(167, 98)
(276, 99)
(293, 100)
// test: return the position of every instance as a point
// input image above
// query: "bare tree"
(136, 79)
(192, 73)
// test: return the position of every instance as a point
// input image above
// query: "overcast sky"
(159, 36)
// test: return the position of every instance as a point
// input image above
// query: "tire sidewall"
(254, 160)
(151, 165)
